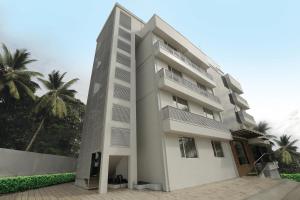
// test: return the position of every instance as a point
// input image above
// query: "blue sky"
(258, 42)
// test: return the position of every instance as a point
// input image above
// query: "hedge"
(294, 177)
(21, 183)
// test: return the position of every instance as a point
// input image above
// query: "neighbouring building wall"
(22, 163)
(188, 172)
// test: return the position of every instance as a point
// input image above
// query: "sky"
(258, 42)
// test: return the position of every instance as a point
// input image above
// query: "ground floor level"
(234, 189)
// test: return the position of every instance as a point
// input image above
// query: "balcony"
(187, 90)
(246, 119)
(233, 84)
(240, 101)
(182, 63)
(181, 122)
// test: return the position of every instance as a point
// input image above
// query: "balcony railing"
(182, 57)
(191, 118)
(191, 86)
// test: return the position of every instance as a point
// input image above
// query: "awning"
(246, 133)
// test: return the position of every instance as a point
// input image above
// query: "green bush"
(294, 177)
(21, 183)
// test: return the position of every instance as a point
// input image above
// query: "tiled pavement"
(235, 189)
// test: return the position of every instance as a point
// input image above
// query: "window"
(217, 147)
(241, 153)
(188, 147)
(201, 86)
(209, 114)
(175, 73)
(180, 103)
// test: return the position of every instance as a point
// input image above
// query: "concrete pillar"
(132, 171)
(103, 174)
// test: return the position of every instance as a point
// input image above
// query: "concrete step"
(279, 192)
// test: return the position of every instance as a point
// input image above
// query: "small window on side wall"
(188, 147)
(217, 147)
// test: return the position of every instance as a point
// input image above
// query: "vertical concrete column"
(132, 171)
(103, 174)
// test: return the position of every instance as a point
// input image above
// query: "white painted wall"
(22, 163)
(206, 168)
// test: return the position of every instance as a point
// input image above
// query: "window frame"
(182, 142)
(175, 100)
(219, 153)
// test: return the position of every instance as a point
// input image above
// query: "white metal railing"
(183, 58)
(170, 112)
(171, 76)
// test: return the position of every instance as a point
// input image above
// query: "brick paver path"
(235, 189)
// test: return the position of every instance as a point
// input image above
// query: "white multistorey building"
(159, 112)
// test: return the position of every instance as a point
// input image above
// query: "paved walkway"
(235, 189)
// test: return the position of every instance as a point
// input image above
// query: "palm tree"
(287, 149)
(14, 76)
(54, 101)
(263, 127)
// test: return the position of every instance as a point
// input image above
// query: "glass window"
(241, 153)
(217, 147)
(188, 147)
(209, 114)
(180, 103)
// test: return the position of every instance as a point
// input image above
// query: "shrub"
(21, 183)
(294, 177)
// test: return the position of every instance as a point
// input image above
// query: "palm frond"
(69, 84)
(46, 83)
(27, 90)
(13, 91)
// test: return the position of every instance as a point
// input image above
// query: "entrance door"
(242, 156)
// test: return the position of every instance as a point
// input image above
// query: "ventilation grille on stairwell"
(125, 21)
(120, 137)
(122, 75)
(124, 46)
(122, 92)
(123, 59)
(124, 34)
(120, 113)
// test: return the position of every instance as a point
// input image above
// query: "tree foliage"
(21, 110)
(287, 149)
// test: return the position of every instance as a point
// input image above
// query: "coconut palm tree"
(54, 101)
(287, 149)
(14, 76)
(263, 127)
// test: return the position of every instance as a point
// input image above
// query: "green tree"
(53, 103)
(15, 79)
(287, 149)
(62, 136)
(264, 127)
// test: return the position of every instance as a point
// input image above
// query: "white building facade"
(159, 110)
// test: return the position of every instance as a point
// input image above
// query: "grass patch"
(22, 183)
(294, 177)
